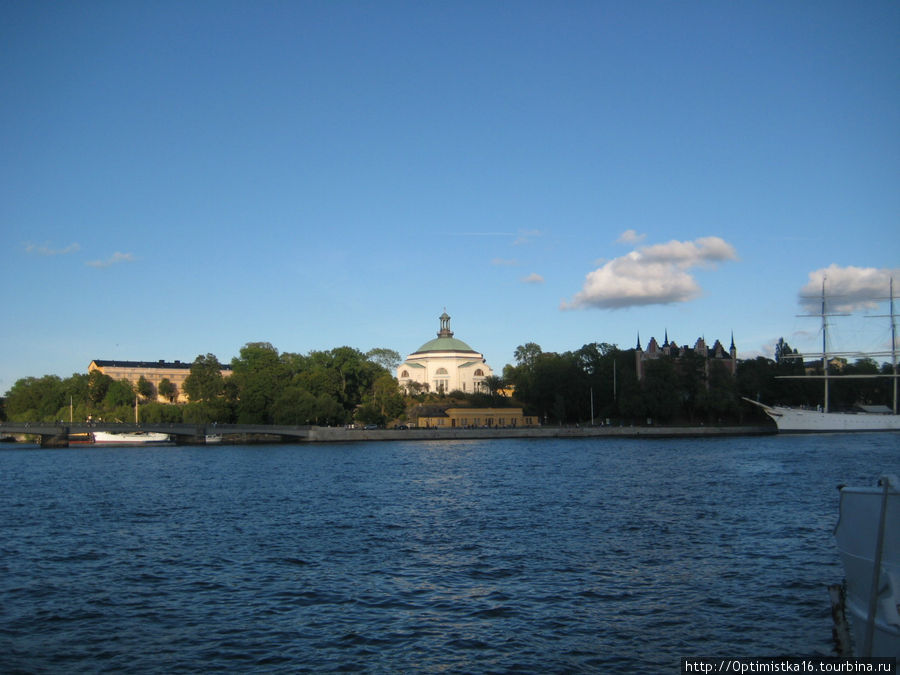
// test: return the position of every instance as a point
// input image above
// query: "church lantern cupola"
(445, 331)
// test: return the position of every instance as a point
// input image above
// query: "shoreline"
(333, 434)
(259, 434)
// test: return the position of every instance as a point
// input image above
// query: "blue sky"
(184, 178)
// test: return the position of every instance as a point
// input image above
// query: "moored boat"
(868, 539)
(130, 438)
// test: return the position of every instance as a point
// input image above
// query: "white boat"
(868, 539)
(800, 420)
(130, 438)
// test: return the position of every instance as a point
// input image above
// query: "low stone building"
(154, 372)
(462, 418)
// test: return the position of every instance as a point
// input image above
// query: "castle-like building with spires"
(444, 364)
(713, 354)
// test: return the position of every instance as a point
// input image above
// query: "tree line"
(597, 382)
(329, 387)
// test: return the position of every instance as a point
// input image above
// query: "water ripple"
(464, 557)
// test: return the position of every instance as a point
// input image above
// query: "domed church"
(444, 364)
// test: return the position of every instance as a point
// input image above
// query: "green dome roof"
(445, 344)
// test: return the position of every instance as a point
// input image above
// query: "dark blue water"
(612, 556)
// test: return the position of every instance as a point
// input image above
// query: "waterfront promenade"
(57, 434)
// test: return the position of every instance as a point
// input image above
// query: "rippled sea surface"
(612, 556)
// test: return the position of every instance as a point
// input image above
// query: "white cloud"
(46, 250)
(115, 259)
(533, 278)
(630, 237)
(651, 275)
(847, 289)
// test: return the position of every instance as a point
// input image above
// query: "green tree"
(386, 358)
(602, 365)
(660, 389)
(357, 374)
(77, 388)
(385, 400)
(493, 384)
(527, 354)
(260, 377)
(145, 388)
(161, 413)
(167, 390)
(722, 404)
(205, 382)
(368, 413)
(295, 405)
(629, 398)
(98, 385)
(119, 394)
(35, 399)
(692, 384)
(416, 389)
(319, 380)
(329, 411)
(204, 412)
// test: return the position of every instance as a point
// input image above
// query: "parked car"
(369, 427)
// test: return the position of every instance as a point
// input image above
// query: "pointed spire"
(732, 340)
(666, 341)
(639, 341)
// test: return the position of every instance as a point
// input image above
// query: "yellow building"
(152, 371)
(461, 418)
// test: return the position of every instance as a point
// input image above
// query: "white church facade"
(444, 364)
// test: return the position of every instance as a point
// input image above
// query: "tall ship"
(823, 419)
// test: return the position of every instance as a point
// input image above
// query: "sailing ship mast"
(826, 355)
(894, 344)
(826, 374)
(893, 318)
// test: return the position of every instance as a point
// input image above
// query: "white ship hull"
(796, 420)
(868, 534)
(130, 438)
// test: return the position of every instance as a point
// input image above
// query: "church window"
(441, 371)
(479, 373)
(405, 373)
